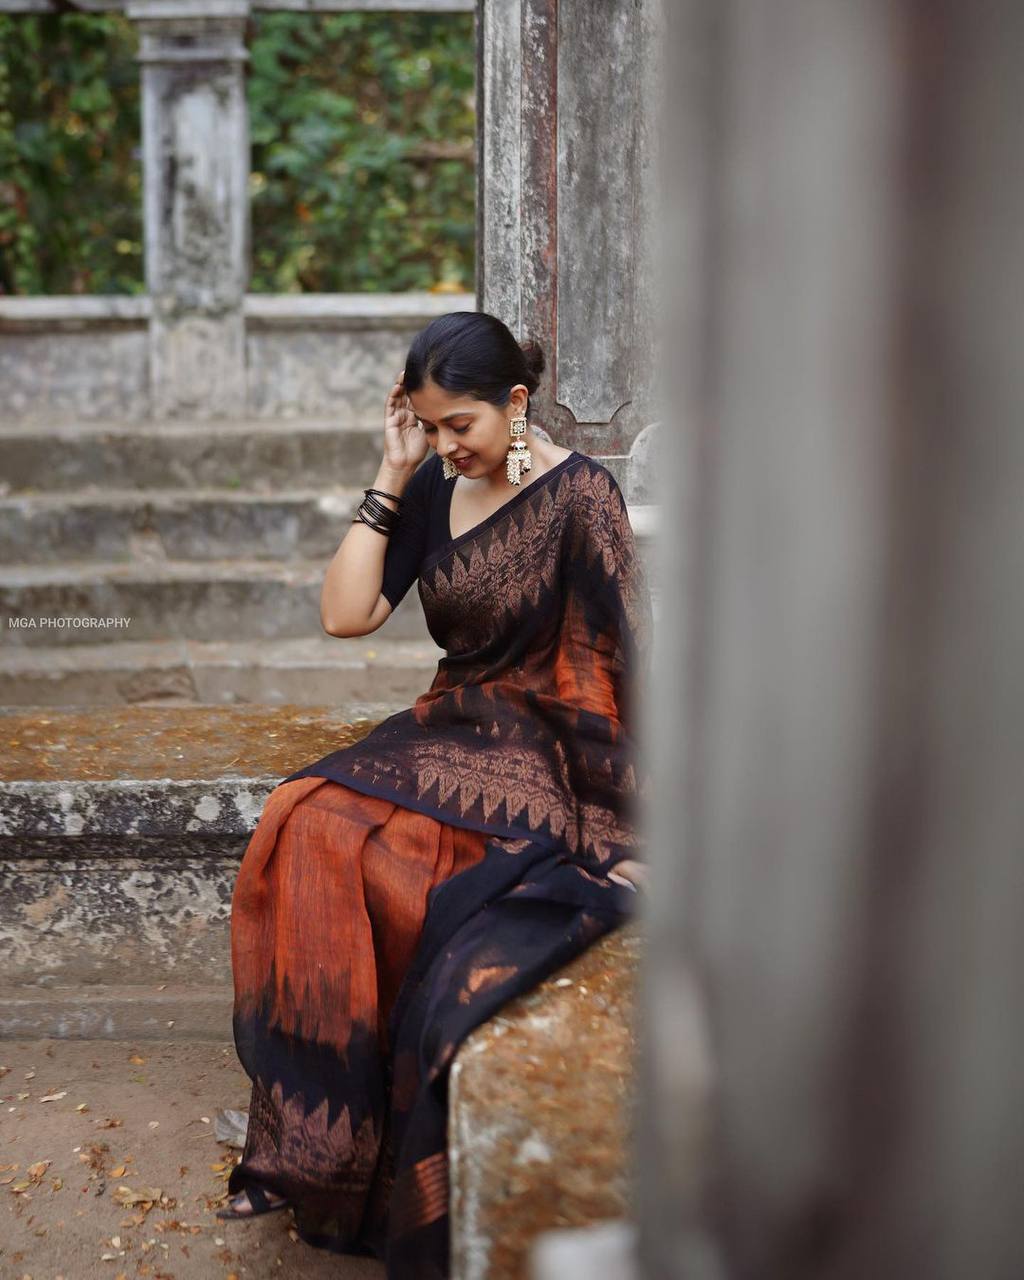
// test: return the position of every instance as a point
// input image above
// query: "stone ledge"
(541, 1111)
(351, 310)
(267, 310)
(154, 779)
(72, 311)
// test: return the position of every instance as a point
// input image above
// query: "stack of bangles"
(376, 514)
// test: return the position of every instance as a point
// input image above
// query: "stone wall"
(312, 355)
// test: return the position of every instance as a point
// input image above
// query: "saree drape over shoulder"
(399, 891)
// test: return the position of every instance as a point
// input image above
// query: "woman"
(399, 891)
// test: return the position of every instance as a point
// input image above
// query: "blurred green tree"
(362, 130)
(70, 169)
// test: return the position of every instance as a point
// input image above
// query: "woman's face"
(459, 427)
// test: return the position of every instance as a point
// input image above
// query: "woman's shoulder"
(594, 481)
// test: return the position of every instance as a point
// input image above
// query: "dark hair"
(474, 353)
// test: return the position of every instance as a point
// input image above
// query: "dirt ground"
(109, 1168)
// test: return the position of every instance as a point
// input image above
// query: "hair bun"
(533, 354)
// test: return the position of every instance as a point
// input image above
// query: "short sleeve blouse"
(422, 528)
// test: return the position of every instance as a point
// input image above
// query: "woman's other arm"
(351, 603)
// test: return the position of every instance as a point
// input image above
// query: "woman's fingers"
(630, 872)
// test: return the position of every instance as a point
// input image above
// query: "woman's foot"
(252, 1202)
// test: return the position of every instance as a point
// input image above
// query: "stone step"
(253, 456)
(121, 832)
(154, 1011)
(116, 526)
(43, 605)
(365, 674)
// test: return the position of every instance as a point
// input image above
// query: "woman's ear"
(517, 400)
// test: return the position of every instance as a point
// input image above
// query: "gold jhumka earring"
(518, 459)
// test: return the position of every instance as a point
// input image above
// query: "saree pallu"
(362, 959)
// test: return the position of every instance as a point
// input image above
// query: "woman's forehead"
(433, 402)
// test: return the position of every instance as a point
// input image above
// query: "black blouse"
(422, 527)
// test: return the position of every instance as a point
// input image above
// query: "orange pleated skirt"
(327, 910)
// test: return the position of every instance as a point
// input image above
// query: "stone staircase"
(211, 540)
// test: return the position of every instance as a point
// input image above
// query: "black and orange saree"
(397, 892)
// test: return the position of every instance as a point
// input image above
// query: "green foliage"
(70, 178)
(362, 129)
(363, 132)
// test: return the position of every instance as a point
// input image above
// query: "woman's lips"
(463, 462)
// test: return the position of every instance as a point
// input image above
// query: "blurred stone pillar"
(846, 877)
(196, 171)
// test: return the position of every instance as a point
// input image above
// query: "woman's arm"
(351, 603)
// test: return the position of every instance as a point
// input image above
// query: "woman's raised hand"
(405, 444)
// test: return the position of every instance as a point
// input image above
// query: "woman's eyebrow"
(445, 416)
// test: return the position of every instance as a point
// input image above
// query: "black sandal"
(259, 1202)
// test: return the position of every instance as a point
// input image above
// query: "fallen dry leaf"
(126, 1197)
(82, 1106)
(94, 1153)
(109, 1123)
(54, 1097)
(119, 1172)
(136, 1061)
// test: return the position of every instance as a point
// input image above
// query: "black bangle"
(385, 515)
(397, 497)
(370, 524)
(371, 501)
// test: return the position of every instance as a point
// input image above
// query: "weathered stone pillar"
(564, 190)
(846, 876)
(196, 166)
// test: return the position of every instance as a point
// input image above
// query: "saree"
(399, 891)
